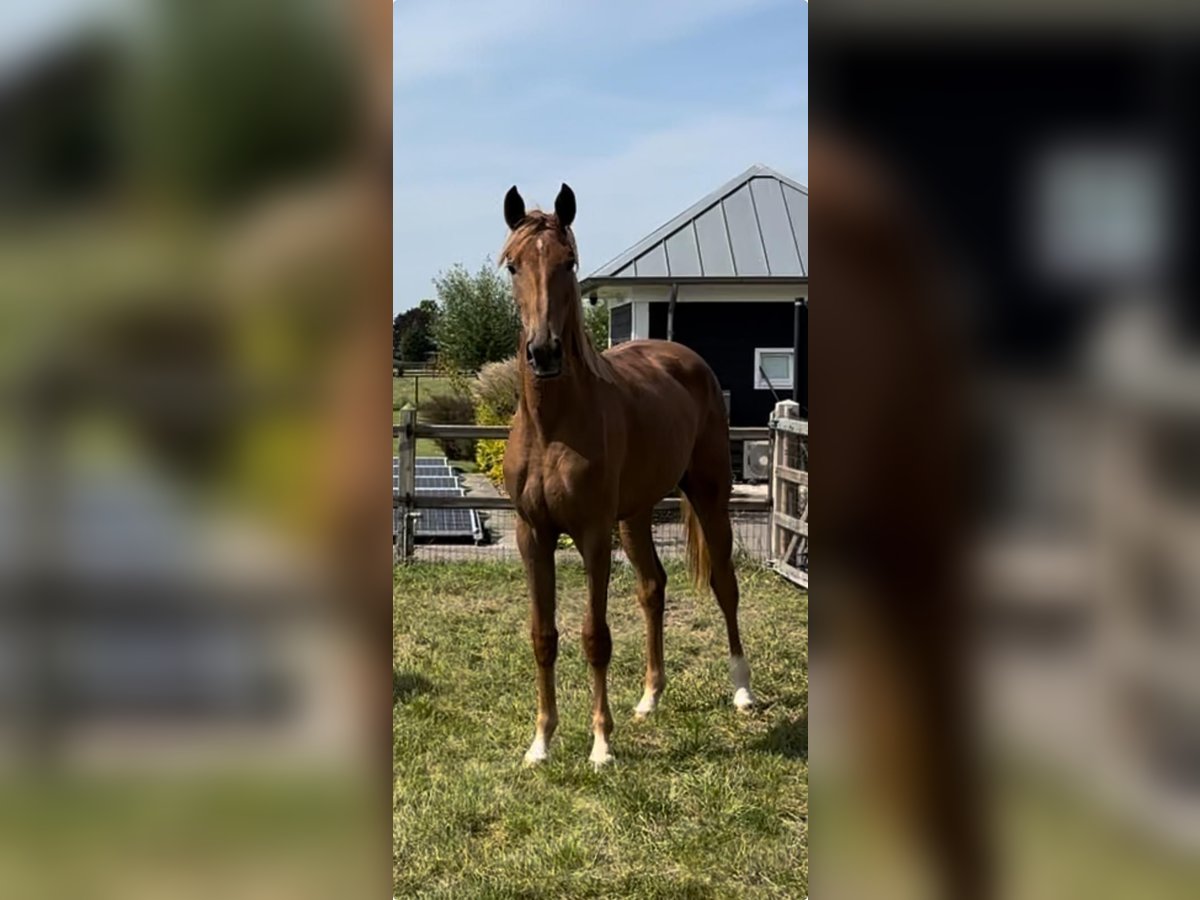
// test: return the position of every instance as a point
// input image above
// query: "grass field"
(406, 388)
(159, 833)
(418, 388)
(701, 801)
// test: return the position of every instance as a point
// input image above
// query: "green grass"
(414, 388)
(406, 388)
(158, 834)
(701, 801)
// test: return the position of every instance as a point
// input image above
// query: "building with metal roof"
(753, 228)
(724, 277)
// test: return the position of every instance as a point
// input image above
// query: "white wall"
(643, 295)
(720, 293)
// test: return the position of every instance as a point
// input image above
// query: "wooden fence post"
(781, 493)
(406, 451)
(789, 488)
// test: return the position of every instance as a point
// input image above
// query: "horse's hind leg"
(638, 541)
(708, 495)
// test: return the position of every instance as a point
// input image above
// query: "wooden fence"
(789, 493)
(409, 503)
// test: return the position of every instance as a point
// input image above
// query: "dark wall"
(658, 320)
(962, 121)
(620, 324)
(725, 334)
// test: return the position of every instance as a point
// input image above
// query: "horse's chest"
(556, 484)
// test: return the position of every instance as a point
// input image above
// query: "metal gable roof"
(755, 226)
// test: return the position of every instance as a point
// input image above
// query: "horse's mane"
(537, 221)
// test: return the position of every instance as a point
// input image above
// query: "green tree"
(595, 322)
(477, 321)
(412, 332)
(231, 98)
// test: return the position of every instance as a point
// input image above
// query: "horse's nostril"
(546, 356)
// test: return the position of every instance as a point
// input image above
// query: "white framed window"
(774, 364)
(1102, 211)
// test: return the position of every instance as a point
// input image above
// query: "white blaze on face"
(739, 674)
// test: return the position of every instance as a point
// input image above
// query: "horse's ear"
(514, 207)
(564, 206)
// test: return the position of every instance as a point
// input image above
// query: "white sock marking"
(600, 755)
(647, 704)
(536, 752)
(739, 673)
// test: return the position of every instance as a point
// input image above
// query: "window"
(620, 324)
(774, 365)
(1101, 212)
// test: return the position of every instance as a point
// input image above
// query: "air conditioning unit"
(756, 461)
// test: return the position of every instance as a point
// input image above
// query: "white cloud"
(622, 196)
(489, 94)
(437, 38)
(659, 175)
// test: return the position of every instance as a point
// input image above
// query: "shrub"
(595, 323)
(498, 389)
(497, 393)
(450, 409)
(489, 457)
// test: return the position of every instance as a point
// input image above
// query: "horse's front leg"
(596, 548)
(537, 553)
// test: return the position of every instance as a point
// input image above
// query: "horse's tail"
(698, 561)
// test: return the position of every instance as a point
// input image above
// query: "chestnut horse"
(598, 440)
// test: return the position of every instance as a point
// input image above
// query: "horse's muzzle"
(545, 357)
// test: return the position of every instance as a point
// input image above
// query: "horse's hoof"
(600, 760)
(743, 700)
(536, 754)
(647, 706)
(601, 755)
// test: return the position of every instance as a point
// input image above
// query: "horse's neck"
(552, 405)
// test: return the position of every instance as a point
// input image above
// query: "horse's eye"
(512, 270)
(570, 263)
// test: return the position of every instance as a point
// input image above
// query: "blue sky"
(642, 107)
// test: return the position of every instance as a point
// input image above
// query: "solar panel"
(424, 482)
(432, 464)
(449, 523)
(427, 467)
(433, 477)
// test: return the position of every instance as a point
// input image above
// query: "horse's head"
(540, 255)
